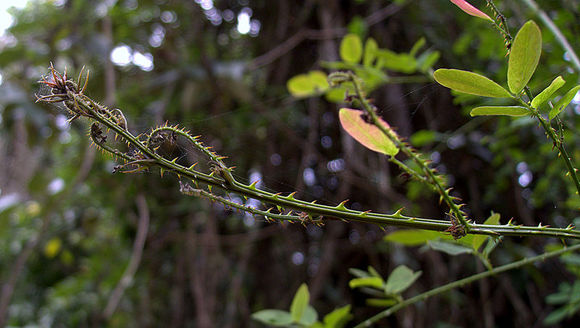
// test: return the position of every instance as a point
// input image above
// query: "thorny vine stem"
(145, 156)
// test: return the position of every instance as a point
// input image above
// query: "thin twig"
(138, 245)
(17, 267)
(556, 31)
(310, 34)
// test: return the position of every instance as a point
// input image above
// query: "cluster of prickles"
(144, 147)
(502, 26)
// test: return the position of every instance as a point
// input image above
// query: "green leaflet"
(299, 303)
(417, 46)
(309, 84)
(479, 239)
(469, 82)
(524, 56)
(427, 59)
(376, 282)
(367, 134)
(543, 96)
(351, 49)
(381, 302)
(449, 248)
(276, 318)
(499, 110)
(402, 62)
(412, 237)
(371, 48)
(400, 279)
(564, 101)
(422, 138)
(309, 316)
(338, 318)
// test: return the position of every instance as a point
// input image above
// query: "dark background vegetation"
(70, 229)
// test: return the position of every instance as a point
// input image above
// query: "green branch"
(463, 282)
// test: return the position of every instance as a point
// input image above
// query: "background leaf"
(351, 49)
(300, 303)
(381, 302)
(370, 54)
(449, 248)
(400, 279)
(307, 85)
(375, 282)
(524, 56)
(391, 60)
(338, 318)
(309, 316)
(276, 318)
(412, 237)
(479, 239)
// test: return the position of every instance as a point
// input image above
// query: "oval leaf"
(307, 85)
(422, 138)
(479, 239)
(319, 81)
(309, 317)
(400, 279)
(381, 302)
(277, 318)
(300, 303)
(412, 237)
(338, 318)
(375, 282)
(427, 59)
(300, 86)
(499, 110)
(469, 82)
(391, 60)
(524, 56)
(371, 48)
(449, 248)
(543, 96)
(564, 101)
(351, 48)
(367, 134)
